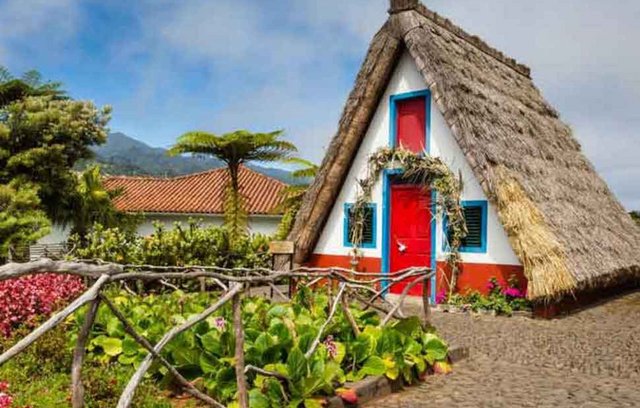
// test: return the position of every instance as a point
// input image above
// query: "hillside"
(124, 155)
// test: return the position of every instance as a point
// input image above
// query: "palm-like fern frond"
(234, 149)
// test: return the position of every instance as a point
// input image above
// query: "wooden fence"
(365, 288)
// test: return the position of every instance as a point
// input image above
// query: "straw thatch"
(565, 225)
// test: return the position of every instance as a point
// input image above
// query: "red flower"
(24, 299)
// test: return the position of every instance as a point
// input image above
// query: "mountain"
(124, 155)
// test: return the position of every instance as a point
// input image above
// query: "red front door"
(410, 231)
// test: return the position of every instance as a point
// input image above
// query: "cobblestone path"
(589, 359)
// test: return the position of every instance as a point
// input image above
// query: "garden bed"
(296, 353)
(375, 387)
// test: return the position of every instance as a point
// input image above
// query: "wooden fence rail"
(233, 283)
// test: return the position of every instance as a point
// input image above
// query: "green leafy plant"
(182, 245)
(277, 338)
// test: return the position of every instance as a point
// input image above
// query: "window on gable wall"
(475, 216)
(368, 229)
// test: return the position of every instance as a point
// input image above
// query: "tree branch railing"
(233, 284)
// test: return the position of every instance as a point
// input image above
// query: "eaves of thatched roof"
(565, 225)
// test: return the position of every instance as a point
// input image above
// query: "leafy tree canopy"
(41, 138)
(636, 216)
(93, 204)
(13, 89)
(21, 220)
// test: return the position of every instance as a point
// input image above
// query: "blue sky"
(169, 66)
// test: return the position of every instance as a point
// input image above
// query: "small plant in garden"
(503, 298)
(24, 300)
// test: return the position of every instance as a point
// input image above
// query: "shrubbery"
(39, 377)
(24, 300)
(192, 244)
(277, 335)
(503, 298)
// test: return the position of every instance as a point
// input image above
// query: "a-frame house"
(536, 209)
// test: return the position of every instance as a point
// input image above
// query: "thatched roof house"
(563, 224)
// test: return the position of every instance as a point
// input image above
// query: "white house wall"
(406, 78)
(266, 225)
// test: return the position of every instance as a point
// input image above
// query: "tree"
(93, 204)
(636, 216)
(293, 195)
(22, 222)
(41, 139)
(13, 89)
(234, 149)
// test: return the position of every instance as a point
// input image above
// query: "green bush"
(192, 244)
(277, 336)
(40, 377)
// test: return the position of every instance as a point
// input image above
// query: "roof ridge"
(192, 175)
(474, 40)
(161, 178)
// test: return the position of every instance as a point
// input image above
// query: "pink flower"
(513, 292)
(441, 297)
(331, 346)
(5, 399)
(219, 323)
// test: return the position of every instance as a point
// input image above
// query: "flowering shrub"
(504, 298)
(23, 300)
(5, 398)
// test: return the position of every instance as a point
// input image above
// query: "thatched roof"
(565, 225)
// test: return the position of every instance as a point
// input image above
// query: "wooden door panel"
(410, 231)
(411, 124)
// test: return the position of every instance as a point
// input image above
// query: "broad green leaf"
(341, 351)
(373, 366)
(130, 347)
(258, 399)
(111, 346)
(297, 364)
(408, 326)
(208, 364)
(313, 403)
(115, 327)
(435, 348)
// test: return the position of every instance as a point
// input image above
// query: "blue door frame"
(387, 180)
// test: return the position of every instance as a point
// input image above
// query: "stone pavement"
(589, 359)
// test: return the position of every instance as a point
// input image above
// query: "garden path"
(589, 359)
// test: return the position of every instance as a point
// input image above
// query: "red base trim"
(472, 277)
(475, 277)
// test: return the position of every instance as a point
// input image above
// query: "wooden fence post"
(426, 300)
(243, 394)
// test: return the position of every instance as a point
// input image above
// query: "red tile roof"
(200, 193)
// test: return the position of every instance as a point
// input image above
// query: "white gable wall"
(406, 78)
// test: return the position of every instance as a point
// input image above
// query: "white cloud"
(291, 64)
(41, 26)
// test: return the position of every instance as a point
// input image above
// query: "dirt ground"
(589, 359)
